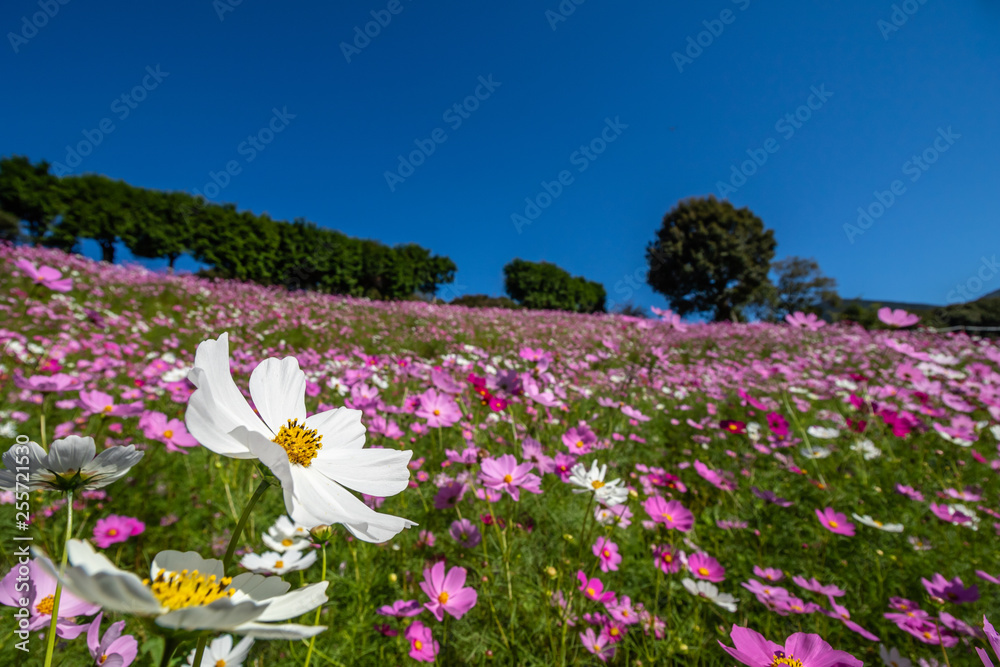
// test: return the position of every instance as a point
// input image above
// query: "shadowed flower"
(72, 463)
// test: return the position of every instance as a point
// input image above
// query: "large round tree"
(709, 257)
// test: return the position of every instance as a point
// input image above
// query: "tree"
(709, 257)
(543, 285)
(801, 286)
(95, 207)
(30, 193)
(10, 227)
(168, 222)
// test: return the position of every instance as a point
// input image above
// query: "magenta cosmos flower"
(100, 403)
(113, 529)
(994, 639)
(171, 432)
(504, 474)
(423, 648)
(607, 552)
(440, 410)
(807, 321)
(40, 595)
(835, 522)
(597, 644)
(447, 591)
(955, 591)
(593, 589)
(703, 566)
(897, 317)
(579, 440)
(800, 650)
(667, 560)
(670, 513)
(45, 276)
(465, 533)
(113, 649)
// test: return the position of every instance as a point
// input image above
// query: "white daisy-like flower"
(823, 432)
(874, 523)
(186, 592)
(918, 543)
(338, 386)
(892, 658)
(710, 591)
(285, 535)
(314, 457)
(867, 449)
(222, 653)
(71, 463)
(753, 431)
(607, 493)
(814, 452)
(272, 562)
(995, 430)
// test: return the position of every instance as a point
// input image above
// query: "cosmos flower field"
(526, 487)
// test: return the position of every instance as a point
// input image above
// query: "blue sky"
(556, 81)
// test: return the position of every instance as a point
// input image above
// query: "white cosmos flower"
(892, 658)
(867, 449)
(285, 535)
(608, 493)
(222, 653)
(995, 430)
(272, 562)
(823, 432)
(71, 463)
(873, 523)
(186, 592)
(709, 591)
(314, 457)
(815, 452)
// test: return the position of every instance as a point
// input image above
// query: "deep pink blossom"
(448, 592)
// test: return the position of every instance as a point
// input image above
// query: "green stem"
(50, 644)
(233, 541)
(312, 640)
(41, 420)
(169, 646)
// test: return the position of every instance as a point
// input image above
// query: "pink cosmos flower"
(808, 650)
(835, 522)
(994, 639)
(988, 577)
(449, 495)
(465, 533)
(531, 450)
(440, 410)
(765, 593)
(769, 573)
(716, 479)
(897, 318)
(171, 432)
(113, 529)
(622, 611)
(579, 440)
(607, 552)
(813, 585)
(45, 276)
(949, 513)
(563, 465)
(447, 592)
(597, 645)
(40, 593)
(909, 492)
(401, 608)
(504, 474)
(667, 560)
(593, 589)
(423, 648)
(46, 383)
(940, 589)
(670, 513)
(100, 403)
(114, 649)
(703, 566)
(808, 321)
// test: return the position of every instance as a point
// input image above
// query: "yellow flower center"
(300, 443)
(668, 558)
(834, 524)
(437, 413)
(168, 434)
(597, 484)
(508, 479)
(279, 564)
(177, 590)
(45, 605)
(613, 632)
(102, 659)
(287, 542)
(443, 598)
(112, 532)
(220, 663)
(781, 659)
(419, 645)
(109, 408)
(667, 517)
(877, 523)
(579, 444)
(591, 592)
(703, 571)
(927, 635)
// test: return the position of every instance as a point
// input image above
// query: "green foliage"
(30, 193)
(801, 286)
(483, 301)
(982, 313)
(709, 257)
(10, 226)
(545, 286)
(97, 208)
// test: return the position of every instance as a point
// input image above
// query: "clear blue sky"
(890, 92)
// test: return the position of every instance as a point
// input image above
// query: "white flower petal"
(377, 472)
(290, 631)
(295, 603)
(70, 453)
(278, 390)
(341, 428)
